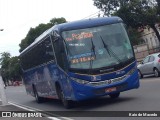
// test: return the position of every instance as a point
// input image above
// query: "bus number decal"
(82, 59)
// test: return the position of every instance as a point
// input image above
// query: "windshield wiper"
(93, 48)
(110, 50)
(92, 51)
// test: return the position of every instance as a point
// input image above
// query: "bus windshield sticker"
(81, 55)
(80, 36)
(77, 44)
(82, 59)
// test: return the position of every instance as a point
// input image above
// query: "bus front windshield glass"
(97, 47)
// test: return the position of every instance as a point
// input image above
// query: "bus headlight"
(80, 80)
(132, 71)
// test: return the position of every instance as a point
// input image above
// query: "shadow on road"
(100, 102)
(149, 77)
(88, 105)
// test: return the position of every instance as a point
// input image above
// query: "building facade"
(151, 45)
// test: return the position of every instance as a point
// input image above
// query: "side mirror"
(55, 35)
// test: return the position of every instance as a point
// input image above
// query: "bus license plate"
(110, 89)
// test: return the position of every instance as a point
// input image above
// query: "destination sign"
(80, 36)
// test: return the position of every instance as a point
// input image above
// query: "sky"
(18, 16)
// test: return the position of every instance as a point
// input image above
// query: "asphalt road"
(146, 98)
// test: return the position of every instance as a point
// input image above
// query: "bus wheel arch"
(58, 87)
(61, 96)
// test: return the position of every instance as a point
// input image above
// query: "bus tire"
(114, 95)
(66, 103)
(38, 99)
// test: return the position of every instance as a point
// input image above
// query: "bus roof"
(80, 24)
(88, 23)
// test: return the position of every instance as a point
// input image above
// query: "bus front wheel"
(66, 103)
(115, 95)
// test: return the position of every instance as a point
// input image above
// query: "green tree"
(158, 7)
(55, 21)
(110, 6)
(141, 14)
(35, 32)
(10, 67)
(4, 62)
(14, 68)
(135, 36)
(135, 13)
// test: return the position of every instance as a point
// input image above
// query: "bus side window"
(49, 52)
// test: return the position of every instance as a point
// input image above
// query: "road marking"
(46, 114)
(53, 118)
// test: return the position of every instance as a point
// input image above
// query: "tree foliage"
(135, 36)
(10, 67)
(135, 13)
(35, 32)
(14, 68)
(4, 62)
(110, 6)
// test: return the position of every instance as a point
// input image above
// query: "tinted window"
(151, 59)
(40, 54)
(98, 45)
(146, 59)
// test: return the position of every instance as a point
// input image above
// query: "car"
(150, 65)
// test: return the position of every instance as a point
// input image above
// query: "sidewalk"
(12, 108)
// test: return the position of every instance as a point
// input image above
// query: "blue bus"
(80, 60)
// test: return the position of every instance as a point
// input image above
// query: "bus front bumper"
(82, 91)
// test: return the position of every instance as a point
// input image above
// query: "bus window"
(49, 54)
(40, 54)
(60, 53)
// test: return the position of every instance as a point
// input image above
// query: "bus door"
(61, 59)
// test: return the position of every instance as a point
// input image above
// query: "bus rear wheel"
(38, 99)
(115, 95)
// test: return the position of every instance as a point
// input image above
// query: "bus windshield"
(97, 47)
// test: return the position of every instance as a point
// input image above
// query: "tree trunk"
(156, 31)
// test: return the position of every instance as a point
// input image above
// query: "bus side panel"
(66, 85)
(44, 78)
(28, 78)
